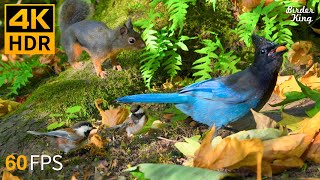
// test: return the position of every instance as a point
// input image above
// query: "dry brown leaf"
(313, 153)
(6, 106)
(96, 140)
(51, 61)
(8, 176)
(284, 147)
(75, 176)
(168, 116)
(263, 121)
(230, 153)
(112, 117)
(300, 53)
(284, 152)
(4, 58)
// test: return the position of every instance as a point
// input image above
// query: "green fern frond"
(223, 62)
(247, 24)
(276, 22)
(178, 10)
(16, 75)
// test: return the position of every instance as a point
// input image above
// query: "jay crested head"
(268, 55)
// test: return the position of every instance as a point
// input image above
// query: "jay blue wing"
(226, 99)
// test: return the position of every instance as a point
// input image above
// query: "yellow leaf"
(285, 146)
(313, 153)
(263, 121)
(8, 176)
(112, 117)
(7, 106)
(312, 126)
(230, 153)
(286, 84)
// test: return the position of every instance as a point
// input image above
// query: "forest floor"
(156, 146)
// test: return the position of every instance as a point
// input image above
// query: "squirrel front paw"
(77, 65)
(117, 67)
(102, 74)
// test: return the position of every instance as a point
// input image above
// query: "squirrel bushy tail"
(73, 11)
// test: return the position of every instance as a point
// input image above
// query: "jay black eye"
(263, 51)
(131, 40)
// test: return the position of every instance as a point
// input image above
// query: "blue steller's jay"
(222, 100)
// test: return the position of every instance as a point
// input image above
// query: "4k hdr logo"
(29, 29)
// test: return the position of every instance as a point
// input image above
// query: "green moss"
(115, 13)
(82, 87)
(70, 88)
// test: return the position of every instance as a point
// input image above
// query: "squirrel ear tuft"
(129, 24)
(123, 30)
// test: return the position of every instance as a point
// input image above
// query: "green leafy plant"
(306, 93)
(162, 45)
(16, 75)
(315, 4)
(215, 59)
(65, 118)
(275, 22)
(154, 171)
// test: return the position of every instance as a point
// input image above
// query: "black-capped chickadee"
(68, 139)
(135, 121)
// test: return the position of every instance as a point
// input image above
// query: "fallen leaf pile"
(6, 106)
(266, 151)
(112, 117)
(287, 84)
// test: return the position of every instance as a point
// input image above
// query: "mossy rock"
(70, 88)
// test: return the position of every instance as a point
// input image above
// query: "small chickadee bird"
(69, 138)
(135, 121)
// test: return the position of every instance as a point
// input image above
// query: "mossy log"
(70, 88)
